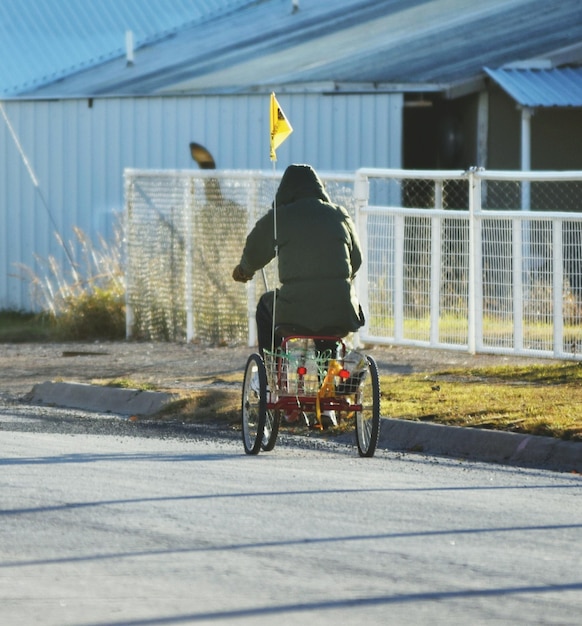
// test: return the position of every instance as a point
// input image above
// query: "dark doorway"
(432, 134)
(419, 135)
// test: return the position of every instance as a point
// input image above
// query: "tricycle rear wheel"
(368, 418)
(271, 430)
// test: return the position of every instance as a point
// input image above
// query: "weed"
(126, 383)
(85, 300)
(96, 314)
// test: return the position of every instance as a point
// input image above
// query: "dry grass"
(219, 406)
(85, 299)
(538, 400)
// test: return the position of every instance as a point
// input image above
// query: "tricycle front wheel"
(254, 404)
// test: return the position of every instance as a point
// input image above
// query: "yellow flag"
(280, 127)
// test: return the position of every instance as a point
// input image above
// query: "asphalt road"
(101, 525)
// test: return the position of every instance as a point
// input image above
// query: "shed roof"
(556, 87)
(245, 46)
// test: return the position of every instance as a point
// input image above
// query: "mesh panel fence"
(497, 281)
(453, 281)
(518, 287)
(418, 259)
(532, 268)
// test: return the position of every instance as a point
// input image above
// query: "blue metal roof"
(556, 87)
(255, 46)
(42, 41)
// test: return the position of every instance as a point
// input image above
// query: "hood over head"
(298, 182)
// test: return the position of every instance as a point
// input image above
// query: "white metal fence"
(476, 261)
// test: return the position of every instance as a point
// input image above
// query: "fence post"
(189, 189)
(361, 201)
(558, 286)
(435, 279)
(517, 262)
(129, 313)
(398, 302)
(475, 261)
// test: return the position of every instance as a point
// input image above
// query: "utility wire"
(35, 182)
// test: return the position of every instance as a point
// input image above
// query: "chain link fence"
(185, 233)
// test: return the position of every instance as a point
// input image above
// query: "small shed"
(552, 90)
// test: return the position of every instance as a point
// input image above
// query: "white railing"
(445, 269)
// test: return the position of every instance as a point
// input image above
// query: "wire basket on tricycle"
(303, 377)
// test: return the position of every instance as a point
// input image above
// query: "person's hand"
(239, 275)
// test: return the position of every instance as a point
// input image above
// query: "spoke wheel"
(368, 419)
(254, 404)
(271, 429)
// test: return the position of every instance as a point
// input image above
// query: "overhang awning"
(556, 87)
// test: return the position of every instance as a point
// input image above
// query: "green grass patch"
(128, 383)
(21, 327)
(537, 400)
(454, 328)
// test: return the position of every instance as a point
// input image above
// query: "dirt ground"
(186, 366)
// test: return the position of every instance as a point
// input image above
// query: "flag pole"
(276, 261)
(280, 129)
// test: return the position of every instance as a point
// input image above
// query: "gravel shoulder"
(173, 366)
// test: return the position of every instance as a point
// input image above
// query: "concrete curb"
(100, 398)
(402, 435)
(481, 445)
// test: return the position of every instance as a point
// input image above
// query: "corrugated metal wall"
(78, 150)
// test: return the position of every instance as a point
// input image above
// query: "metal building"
(79, 149)
(92, 91)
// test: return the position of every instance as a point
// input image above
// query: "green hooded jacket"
(318, 254)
